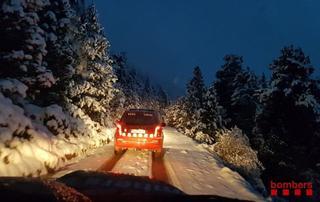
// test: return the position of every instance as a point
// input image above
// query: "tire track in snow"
(133, 162)
(139, 163)
(158, 169)
(111, 163)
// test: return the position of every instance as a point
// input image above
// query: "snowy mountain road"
(186, 165)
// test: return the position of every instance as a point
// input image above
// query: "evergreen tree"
(195, 101)
(137, 91)
(176, 115)
(79, 6)
(224, 85)
(128, 82)
(196, 91)
(262, 82)
(92, 86)
(23, 45)
(60, 23)
(212, 115)
(121, 70)
(147, 90)
(287, 126)
(163, 98)
(150, 98)
(243, 100)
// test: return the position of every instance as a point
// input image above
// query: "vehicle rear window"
(140, 118)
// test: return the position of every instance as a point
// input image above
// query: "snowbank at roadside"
(37, 140)
(196, 171)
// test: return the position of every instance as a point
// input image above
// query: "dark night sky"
(167, 38)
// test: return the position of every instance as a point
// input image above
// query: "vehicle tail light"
(124, 132)
(119, 127)
(157, 131)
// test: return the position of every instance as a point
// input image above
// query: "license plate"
(138, 131)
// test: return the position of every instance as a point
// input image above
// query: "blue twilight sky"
(165, 39)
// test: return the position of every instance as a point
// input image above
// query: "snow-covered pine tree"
(146, 91)
(155, 97)
(212, 117)
(287, 126)
(117, 104)
(196, 91)
(243, 100)
(224, 85)
(262, 82)
(176, 115)
(23, 45)
(195, 98)
(28, 32)
(315, 90)
(163, 98)
(135, 91)
(127, 82)
(60, 23)
(92, 86)
(79, 6)
(121, 69)
(170, 113)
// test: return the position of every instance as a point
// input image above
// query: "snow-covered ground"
(189, 166)
(91, 163)
(135, 163)
(196, 171)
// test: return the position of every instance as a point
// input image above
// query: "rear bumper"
(138, 143)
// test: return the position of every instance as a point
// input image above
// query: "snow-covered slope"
(36, 140)
(196, 171)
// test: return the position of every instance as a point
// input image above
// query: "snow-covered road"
(186, 164)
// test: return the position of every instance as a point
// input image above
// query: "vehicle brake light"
(119, 127)
(157, 131)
